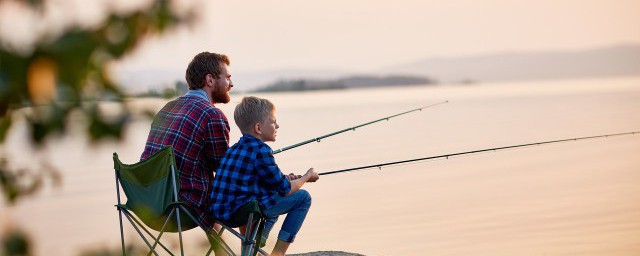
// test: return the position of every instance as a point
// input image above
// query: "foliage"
(69, 73)
(65, 74)
(16, 183)
(15, 243)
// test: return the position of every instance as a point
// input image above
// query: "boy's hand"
(292, 176)
(312, 175)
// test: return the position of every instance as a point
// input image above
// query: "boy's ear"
(257, 128)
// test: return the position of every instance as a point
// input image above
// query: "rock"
(326, 253)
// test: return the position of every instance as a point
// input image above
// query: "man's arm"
(216, 139)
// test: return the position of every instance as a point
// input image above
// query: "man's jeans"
(296, 207)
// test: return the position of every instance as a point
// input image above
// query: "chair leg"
(145, 230)
(120, 213)
(135, 223)
(217, 241)
(246, 241)
(256, 237)
(261, 223)
(179, 231)
(234, 233)
(213, 236)
(140, 233)
(157, 239)
(252, 237)
(121, 231)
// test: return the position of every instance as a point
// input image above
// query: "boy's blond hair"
(250, 111)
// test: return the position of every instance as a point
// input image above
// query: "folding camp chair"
(152, 194)
(250, 215)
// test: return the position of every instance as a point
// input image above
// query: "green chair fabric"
(149, 187)
(241, 215)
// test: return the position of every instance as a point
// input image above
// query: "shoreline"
(327, 253)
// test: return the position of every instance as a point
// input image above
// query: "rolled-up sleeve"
(269, 173)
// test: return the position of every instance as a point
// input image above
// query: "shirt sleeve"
(216, 140)
(269, 172)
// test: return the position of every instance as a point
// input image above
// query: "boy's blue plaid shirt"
(247, 171)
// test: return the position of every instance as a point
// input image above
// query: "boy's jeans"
(296, 207)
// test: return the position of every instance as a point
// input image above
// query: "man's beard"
(220, 97)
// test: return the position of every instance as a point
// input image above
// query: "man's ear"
(210, 78)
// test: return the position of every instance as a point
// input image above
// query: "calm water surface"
(577, 198)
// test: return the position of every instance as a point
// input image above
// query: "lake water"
(574, 198)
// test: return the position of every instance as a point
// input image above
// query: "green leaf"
(5, 124)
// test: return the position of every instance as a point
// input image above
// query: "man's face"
(221, 86)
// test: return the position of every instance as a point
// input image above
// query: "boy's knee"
(305, 196)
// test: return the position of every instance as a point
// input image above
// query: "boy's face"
(269, 128)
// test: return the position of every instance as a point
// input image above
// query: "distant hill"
(253, 80)
(621, 60)
(343, 83)
(604, 62)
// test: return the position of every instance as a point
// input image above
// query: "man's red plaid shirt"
(199, 134)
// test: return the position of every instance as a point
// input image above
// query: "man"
(197, 130)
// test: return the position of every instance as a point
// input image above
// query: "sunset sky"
(365, 34)
(361, 35)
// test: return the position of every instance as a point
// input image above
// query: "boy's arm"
(310, 176)
(293, 176)
(268, 172)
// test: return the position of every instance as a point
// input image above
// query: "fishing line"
(318, 139)
(447, 156)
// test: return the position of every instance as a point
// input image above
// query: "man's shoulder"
(198, 107)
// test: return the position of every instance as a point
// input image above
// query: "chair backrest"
(150, 187)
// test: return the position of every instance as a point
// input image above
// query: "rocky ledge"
(327, 253)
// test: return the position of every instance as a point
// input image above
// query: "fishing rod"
(446, 156)
(354, 128)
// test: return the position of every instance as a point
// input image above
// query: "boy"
(248, 172)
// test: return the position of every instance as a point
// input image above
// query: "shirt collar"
(251, 139)
(248, 137)
(199, 93)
